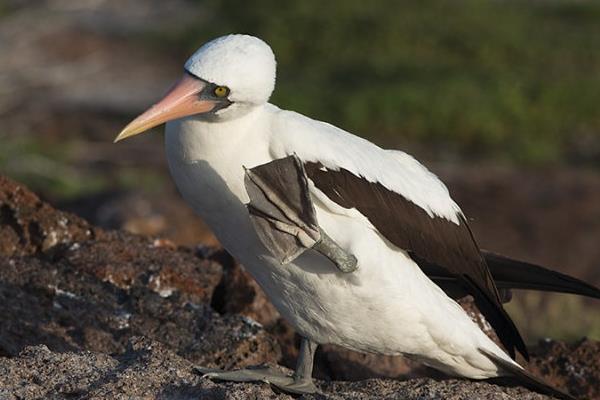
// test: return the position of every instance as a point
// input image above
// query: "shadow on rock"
(91, 313)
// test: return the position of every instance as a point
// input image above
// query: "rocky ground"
(91, 313)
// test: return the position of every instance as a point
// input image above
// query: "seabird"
(405, 246)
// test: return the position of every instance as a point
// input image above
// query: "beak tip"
(124, 134)
(118, 138)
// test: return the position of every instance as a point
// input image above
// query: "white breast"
(388, 306)
(207, 164)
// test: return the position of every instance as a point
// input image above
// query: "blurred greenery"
(564, 316)
(513, 80)
(43, 166)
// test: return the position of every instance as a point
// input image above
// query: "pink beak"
(181, 100)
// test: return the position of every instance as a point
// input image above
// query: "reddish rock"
(84, 293)
(574, 367)
(29, 226)
(468, 304)
(126, 260)
(152, 214)
(338, 363)
(238, 292)
(93, 289)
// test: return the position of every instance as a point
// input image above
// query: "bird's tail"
(525, 378)
(514, 274)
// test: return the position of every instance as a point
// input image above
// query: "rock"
(92, 313)
(150, 370)
(94, 299)
(574, 366)
(146, 370)
(150, 214)
(238, 292)
(29, 226)
(337, 363)
(93, 289)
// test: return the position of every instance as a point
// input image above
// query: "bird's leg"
(303, 381)
(300, 382)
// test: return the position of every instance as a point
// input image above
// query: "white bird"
(381, 206)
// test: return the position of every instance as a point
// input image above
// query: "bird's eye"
(221, 91)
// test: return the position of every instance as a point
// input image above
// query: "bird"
(413, 249)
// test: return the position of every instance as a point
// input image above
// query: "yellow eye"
(221, 91)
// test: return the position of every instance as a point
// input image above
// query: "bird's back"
(312, 140)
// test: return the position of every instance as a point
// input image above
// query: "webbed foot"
(267, 374)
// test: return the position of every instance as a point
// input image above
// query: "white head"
(244, 64)
(224, 78)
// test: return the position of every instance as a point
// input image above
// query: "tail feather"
(514, 274)
(525, 378)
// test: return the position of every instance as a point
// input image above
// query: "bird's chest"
(208, 169)
(311, 293)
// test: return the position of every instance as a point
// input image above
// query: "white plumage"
(388, 305)
(243, 63)
(335, 148)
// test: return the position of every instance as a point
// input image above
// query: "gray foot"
(262, 374)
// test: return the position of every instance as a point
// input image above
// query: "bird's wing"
(405, 202)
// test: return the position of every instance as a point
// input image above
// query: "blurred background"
(499, 98)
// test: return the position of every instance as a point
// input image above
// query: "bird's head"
(222, 79)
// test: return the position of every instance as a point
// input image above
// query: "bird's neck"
(210, 157)
(194, 139)
(206, 161)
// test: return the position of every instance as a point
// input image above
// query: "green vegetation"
(49, 168)
(515, 81)
(505, 79)
(559, 316)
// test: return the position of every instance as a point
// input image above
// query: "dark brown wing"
(427, 239)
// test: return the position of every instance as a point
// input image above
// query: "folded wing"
(427, 239)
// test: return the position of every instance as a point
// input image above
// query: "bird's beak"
(182, 100)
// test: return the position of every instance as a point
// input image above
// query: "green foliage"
(558, 316)
(49, 169)
(508, 79)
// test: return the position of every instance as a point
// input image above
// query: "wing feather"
(405, 202)
(427, 239)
